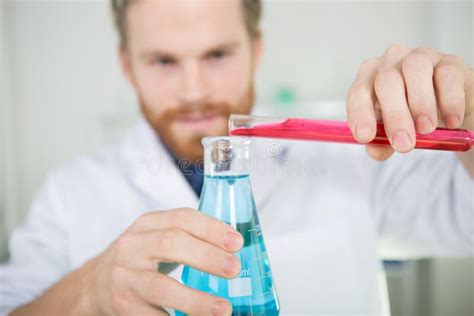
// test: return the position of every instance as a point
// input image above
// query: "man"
(92, 244)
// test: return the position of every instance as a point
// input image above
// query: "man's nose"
(194, 88)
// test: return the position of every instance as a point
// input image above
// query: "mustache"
(204, 109)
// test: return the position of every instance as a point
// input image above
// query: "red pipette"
(339, 132)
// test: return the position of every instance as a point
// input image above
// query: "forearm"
(70, 296)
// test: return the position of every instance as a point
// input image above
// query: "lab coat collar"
(152, 171)
(150, 168)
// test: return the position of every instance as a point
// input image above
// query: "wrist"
(88, 302)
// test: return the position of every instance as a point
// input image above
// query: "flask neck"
(226, 156)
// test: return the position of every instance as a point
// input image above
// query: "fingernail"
(402, 141)
(424, 124)
(231, 266)
(363, 131)
(452, 121)
(233, 241)
(221, 308)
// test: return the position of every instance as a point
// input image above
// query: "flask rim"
(231, 141)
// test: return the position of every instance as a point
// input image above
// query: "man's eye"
(218, 54)
(164, 61)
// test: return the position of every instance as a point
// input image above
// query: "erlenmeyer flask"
(227, 195)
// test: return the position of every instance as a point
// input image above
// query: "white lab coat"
(321, 207)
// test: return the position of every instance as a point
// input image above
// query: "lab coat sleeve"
(38, 254)
(424, 206)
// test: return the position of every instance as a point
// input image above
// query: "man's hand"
(409, 90)
(124, 280)
(127, 279)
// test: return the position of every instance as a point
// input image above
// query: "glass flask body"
(227, 196)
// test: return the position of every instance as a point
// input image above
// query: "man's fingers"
(175, 245)
(379, 153)
(397, 119)
(125, 300)
(178, 246)
(389, 88)
(360, 103)
(195, 223)
(129, 303)
(417, 70)
(161, 290)
(449, 80)
(411, 88)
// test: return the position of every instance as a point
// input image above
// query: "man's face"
(191, 64)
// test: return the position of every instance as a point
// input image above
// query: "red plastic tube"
(339, 132)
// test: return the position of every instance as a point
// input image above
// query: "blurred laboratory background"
(62, 94)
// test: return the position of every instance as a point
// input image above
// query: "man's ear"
(125, 64)
(257, 51)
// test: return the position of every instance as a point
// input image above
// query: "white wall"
(68, 96)
(314, 48)
(317, 47)
(5, 135)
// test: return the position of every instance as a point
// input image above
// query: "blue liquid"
(230, 199)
